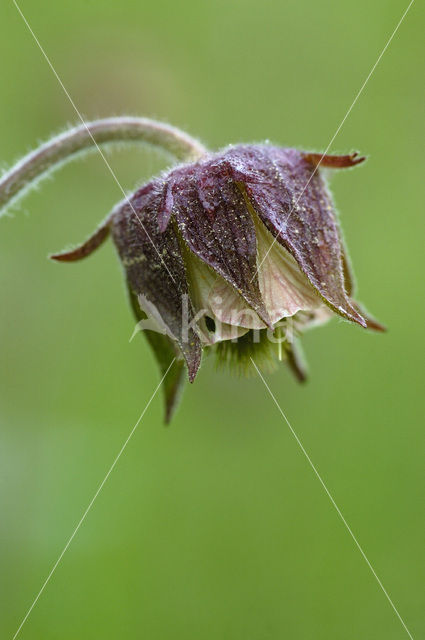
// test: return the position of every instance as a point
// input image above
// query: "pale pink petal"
(228, 306)
(285, 289)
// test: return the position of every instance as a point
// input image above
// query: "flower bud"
(240, 252)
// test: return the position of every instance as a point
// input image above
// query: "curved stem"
(91, 135)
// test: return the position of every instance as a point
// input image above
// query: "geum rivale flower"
(240, 252)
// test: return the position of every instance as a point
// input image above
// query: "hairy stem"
(91, 136)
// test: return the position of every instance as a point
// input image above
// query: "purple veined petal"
(215, 223)
(155, 268)
(291, 199)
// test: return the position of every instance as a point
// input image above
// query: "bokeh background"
(215, 527)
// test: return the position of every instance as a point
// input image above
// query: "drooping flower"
(238, 252)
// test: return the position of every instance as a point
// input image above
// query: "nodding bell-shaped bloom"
(239, 252)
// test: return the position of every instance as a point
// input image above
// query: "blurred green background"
(215, 527)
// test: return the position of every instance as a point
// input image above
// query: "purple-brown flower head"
(239, 252)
